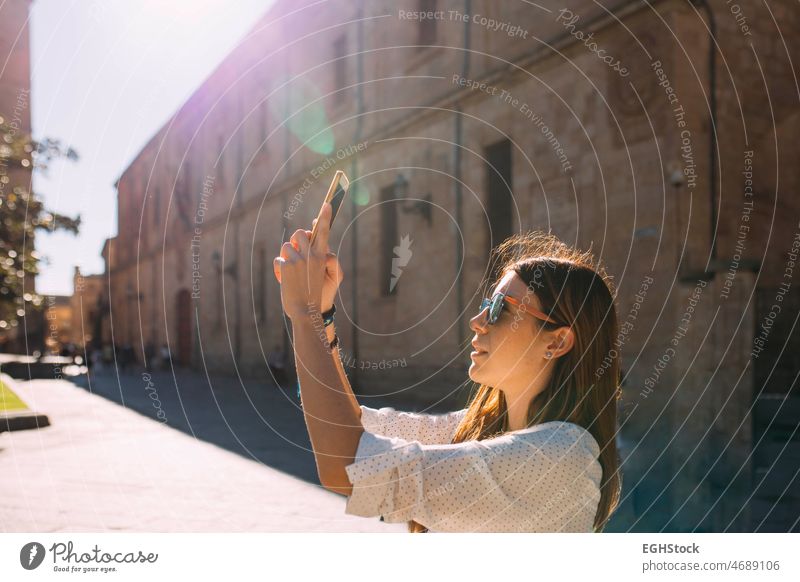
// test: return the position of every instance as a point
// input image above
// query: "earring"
(548, 355)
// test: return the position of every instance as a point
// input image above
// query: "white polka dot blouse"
(544, 478)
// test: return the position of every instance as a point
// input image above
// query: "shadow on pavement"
(256, 419)
(253, 418)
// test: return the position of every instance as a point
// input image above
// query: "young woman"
(535, 449)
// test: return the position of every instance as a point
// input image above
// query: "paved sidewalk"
(231, 458)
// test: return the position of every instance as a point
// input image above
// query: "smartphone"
(336, 191)
(335, 195)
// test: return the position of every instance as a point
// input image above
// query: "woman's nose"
(479, 322)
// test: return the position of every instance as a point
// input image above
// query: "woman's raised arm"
(331, 412)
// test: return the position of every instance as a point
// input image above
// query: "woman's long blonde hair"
(585, 385)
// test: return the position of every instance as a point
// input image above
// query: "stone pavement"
(229, 456)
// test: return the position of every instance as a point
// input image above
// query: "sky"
(103, 80)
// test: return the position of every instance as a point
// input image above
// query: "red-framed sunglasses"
(495, 305)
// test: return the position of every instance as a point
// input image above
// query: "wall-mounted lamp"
(231, 270)
(216, 260)
(675, 174)
(132, 294)
(420, 206)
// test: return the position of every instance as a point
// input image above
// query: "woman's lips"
(476, 351)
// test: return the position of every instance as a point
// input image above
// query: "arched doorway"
(183, 310)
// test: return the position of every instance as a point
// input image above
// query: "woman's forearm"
(337, 358)
(334, 425)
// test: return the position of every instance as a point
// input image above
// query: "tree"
(22, 213)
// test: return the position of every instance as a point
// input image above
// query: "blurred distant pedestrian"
(276, 360)
(108, 353)
(149, 355)
(165, 356)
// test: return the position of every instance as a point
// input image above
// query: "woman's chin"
(473, 373)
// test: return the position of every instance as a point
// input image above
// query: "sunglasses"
(497, 302)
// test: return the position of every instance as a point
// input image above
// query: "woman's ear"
(563, 341)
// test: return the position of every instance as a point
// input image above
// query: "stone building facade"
(611, 128)
(15, 109)
(87, 302)
(59, 320)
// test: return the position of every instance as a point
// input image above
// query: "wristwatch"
(334, 342)
(327, 316)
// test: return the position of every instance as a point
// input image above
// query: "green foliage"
(21, 215)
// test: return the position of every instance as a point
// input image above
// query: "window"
(240, 143)
(262, 90)
(264, 117)
(129, 203)
(339, 68)
(389, 239)
(217, 260)
(500, 202)
(187, 179)
(156, 200)
(262, 285)
(426, 33)
(221, 160)
(183, 197)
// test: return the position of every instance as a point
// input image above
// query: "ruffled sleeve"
(545, 478)
(428, 429)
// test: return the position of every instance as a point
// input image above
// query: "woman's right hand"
(333, 276)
